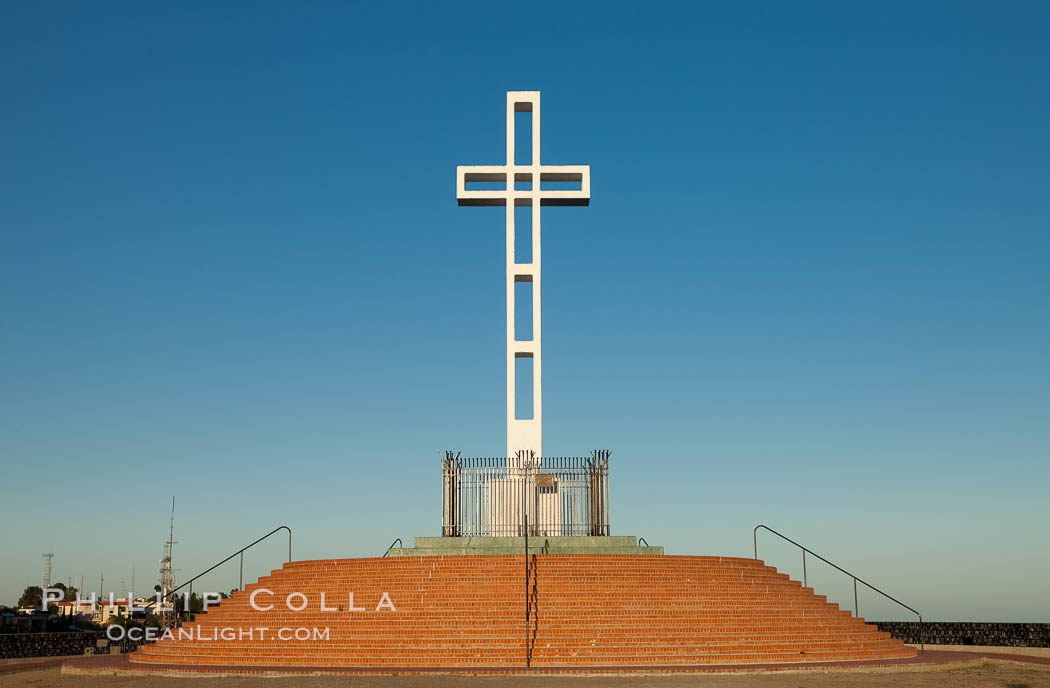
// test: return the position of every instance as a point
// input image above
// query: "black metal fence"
(968, 633)
(492, 496)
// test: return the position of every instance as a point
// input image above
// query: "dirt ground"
(988, 675)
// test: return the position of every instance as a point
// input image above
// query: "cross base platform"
(564, 544)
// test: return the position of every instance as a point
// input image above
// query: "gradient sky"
(811, 289)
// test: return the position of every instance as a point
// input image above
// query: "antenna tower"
(47, 570)
(167, 575)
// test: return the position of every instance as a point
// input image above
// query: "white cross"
(524, 434)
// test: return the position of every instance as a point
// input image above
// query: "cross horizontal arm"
(466, 174)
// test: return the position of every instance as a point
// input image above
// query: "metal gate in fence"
(492, 496)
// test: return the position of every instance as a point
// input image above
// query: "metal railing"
(238, 552)
(528, 607)
(398, 542)
(491, 496)
(856, 606)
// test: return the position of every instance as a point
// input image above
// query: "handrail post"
(805, 581)
(240, 585)
(856, 607)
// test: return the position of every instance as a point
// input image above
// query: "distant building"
(71, 609)
(102, 611)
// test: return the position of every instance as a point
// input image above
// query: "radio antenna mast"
(167, 575)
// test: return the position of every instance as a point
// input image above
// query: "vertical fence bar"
(572, 497)
(605, 492)
(537, 498)
(532, 505)
(582, 477)
(805, 582)
(605, 488)
(453, 484)
(585, 498)
(530, 495)
(574, 486)
(530, 491)
(856, 607)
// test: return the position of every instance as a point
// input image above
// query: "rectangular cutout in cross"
(561, 181)
(485, 181)
(523, 401)
(522, 234)
(523, 308)
(522, 134)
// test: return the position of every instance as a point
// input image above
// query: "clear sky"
(811, 289)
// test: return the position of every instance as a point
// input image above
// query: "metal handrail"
(528, 611)
(856, 608)
(240, 552)
(641, 540)
(395, 542)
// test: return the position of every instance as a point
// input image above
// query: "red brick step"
(587, 610)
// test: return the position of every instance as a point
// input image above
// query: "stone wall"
(17, 645)
(969, 633)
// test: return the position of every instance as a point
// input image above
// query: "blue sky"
(811, 289)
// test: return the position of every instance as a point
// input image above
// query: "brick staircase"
(586, 610)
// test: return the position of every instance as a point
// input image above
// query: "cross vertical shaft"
(524, 426)
(524, 429)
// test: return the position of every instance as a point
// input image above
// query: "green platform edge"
(538, 544)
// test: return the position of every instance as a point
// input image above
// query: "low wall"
(969, 633)
(19, 645)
